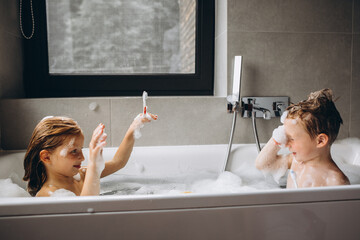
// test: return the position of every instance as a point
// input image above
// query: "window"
(120, 48)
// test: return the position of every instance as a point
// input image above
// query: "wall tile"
(290, 16)
(355, 90)
(10, 51)
(357, 16)
(9, 17)
(11, 69)
(288, 64)
(182, 120)
(19, 117)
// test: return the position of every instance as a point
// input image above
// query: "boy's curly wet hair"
(49, 134)
(318, 114)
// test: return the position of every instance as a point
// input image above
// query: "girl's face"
(66, 159)
(302, 146)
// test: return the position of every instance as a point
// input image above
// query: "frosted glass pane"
(121, 36)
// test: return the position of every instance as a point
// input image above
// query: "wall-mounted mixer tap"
(263, 107)
(251, 107)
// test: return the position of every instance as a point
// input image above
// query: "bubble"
(77, 177)
(283, 117)
(62, 193)
(279, 135)
(10, 189)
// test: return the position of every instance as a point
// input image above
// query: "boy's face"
(299, 142)
(67, 158)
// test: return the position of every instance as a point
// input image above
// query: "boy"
(310, 128)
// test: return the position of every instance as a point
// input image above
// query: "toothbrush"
(293, 177)
(144, 96)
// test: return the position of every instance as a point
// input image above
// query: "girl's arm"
(96, 163)
(123, 153)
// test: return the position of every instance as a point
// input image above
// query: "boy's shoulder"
(335, 176)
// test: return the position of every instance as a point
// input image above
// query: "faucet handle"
(279, 108)
(230, 107)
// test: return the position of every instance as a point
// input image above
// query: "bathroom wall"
(290, 48)
(11, 68)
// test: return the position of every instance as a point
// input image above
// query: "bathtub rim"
(21, 206)
(29, 206)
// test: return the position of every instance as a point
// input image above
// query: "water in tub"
(244, 177)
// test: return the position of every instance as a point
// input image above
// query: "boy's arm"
(123, 153)
(270, 162)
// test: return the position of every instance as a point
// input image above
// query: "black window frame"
(39, 83)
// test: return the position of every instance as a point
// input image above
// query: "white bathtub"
(314, 213)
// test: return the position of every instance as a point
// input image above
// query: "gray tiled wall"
(10, 51)
(290, 48)
(182, 120)
(355, 87)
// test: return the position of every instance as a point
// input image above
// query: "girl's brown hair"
(318, 114)
(49, 134)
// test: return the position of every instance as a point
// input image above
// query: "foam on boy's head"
(283, 117)
(318, 114)
(47, 117)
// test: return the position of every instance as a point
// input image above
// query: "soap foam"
(283, 117)
(279, 135)
(77, 177)
(10, 189)
(203, 182)
(138, 125)
(62, 193)
(64, 151)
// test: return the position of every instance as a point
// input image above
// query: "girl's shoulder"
(46, 191)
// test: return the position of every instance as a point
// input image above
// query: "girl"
(54, 156)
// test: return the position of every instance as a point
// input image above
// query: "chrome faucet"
(250, 107)
(265, 107)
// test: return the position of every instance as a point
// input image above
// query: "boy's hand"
(279, 136)
(97, 143)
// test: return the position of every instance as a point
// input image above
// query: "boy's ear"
(44, 156)
(322, 140)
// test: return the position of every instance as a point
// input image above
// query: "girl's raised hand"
(139, 123)
(97, 143)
